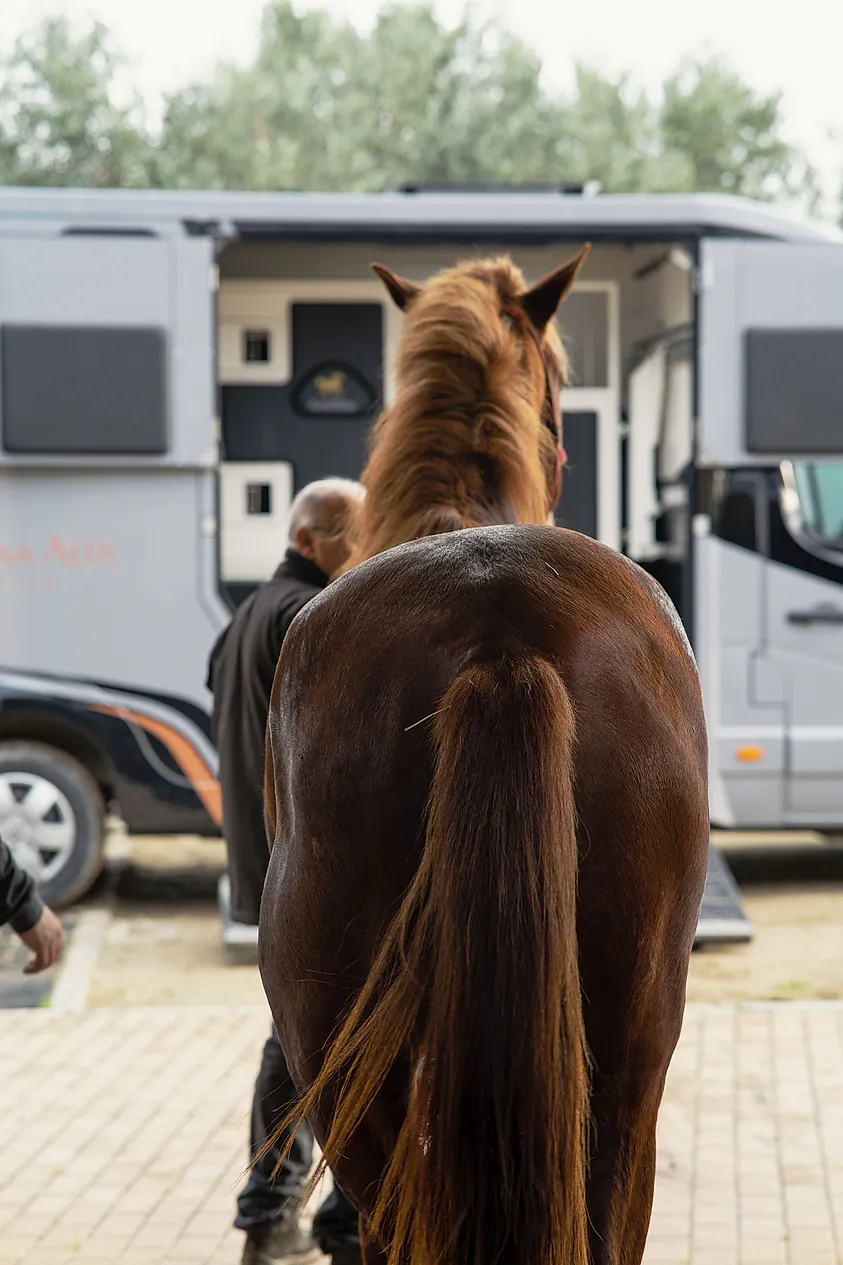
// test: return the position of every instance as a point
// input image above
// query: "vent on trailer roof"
(587, 189)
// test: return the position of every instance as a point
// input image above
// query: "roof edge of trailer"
(407, 216)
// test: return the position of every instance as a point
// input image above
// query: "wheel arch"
(54, 731)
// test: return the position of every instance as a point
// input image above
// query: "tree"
(612, 135)
(729, 138)
(469, 107)
(324, 106)
(59, 124)
(710, 132)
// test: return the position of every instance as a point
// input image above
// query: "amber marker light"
(750, 755)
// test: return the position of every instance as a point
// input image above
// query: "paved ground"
(124, 1105)
(123, 1134)
(793, 893)
(750, 1164)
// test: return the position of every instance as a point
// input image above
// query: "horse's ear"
(403, 292)
(541, 302)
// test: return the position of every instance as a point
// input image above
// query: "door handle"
(823, 614)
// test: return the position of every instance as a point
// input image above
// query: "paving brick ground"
(123, 1135)
(750, 1166)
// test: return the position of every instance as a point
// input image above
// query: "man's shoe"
(285, 1241)
(234, 934)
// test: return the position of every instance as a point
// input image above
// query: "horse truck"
(175, 366)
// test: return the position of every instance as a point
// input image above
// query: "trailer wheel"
(52, 816)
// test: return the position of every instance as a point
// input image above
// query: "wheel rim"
(37, 822)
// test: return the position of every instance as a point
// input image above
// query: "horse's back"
(437, 604)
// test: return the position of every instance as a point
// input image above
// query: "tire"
(52, 816)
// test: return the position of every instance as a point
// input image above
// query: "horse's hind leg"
(623, 1167)
(367, 1155)
(634, 995)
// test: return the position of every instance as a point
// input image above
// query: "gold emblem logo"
(330, 385)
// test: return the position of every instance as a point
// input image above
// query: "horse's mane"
(463, 443)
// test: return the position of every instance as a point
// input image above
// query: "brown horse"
(486, 794)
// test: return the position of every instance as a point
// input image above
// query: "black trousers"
(263, 1201)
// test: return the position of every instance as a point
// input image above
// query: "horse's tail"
(476, 987)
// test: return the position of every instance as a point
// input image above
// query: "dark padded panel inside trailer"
(577, 508)
(74, 389)
(794, 391)
(349, 332)
(340, 341)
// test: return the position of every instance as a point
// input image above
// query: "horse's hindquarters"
(361, 678)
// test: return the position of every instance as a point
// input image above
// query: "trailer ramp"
(722, 917)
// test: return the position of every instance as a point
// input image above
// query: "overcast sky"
(799, 52)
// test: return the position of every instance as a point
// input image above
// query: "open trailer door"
(768, 554)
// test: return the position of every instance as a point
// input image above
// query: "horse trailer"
(176, 365)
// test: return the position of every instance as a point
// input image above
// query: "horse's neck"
(426, 477)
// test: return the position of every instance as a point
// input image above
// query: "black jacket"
(240, 675)
(20, 904)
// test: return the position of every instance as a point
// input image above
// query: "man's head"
(319, 519)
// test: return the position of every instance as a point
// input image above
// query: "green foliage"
(729, 137)
(324, 106)
(59, 124)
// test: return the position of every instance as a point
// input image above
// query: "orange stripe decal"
(186, 757)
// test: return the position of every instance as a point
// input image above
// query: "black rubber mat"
(722, 915)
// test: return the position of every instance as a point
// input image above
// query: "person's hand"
(46, 940)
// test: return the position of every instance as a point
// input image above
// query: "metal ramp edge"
(722, 918)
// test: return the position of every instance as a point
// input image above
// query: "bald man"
(242, 668)
(240, 675)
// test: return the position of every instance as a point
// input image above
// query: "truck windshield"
(819, 485)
